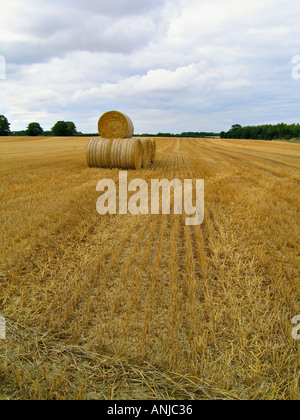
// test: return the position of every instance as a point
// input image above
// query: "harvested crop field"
(144, 307)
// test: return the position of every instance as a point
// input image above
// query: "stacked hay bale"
(153, 150)
(116, 147)
(98, 153)
(126, 154)
(147, 152)
(115, 153)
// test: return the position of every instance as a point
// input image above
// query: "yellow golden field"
(144, 307)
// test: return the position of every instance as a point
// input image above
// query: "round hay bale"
(90, 152)
(105, 153)
(90, 148)
(93, 152)
(126, 154)
(98, 153)
(147, 152)
(115, 125)
(153, 151)
(114, 158)
(115, 153)
(136, 151)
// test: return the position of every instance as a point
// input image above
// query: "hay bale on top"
(114, 125)
(115, 153)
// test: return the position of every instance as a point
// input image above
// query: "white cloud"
(157, 81)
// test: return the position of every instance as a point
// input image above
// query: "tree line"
(263, 132)
(67, 128)
(60, 129)
(195, 134)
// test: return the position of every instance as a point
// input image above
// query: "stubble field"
(144, 307)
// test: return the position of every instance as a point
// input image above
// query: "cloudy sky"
(171, 65)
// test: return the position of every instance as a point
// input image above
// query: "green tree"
(34, 129)
(64, 129)
(60, 129)
(263, 132)
(72, 131)
(4, 126)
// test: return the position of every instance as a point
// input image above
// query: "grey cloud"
(57, 29)
(119, 37)
(115, 8)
